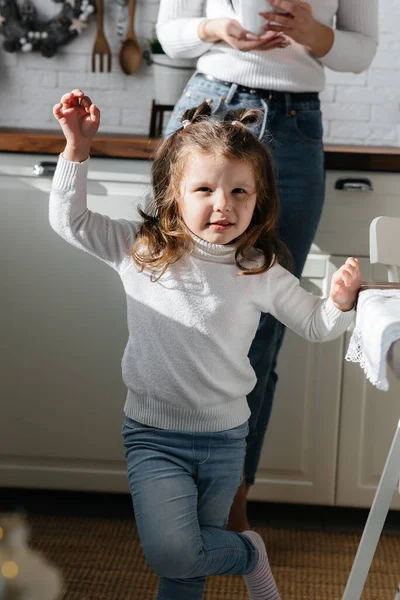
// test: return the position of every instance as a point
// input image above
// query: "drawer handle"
(349, 184)
(45, 168)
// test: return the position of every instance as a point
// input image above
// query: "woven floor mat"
(101, 559)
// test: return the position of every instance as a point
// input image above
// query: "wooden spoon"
(130, 53)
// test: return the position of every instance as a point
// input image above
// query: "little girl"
(198, 270)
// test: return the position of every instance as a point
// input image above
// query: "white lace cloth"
(377, 327)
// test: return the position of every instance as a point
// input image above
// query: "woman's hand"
(298, 23)
(345, 284)
(231, 32)
(79, 119)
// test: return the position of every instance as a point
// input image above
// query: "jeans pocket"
(236, 433)
(192, 96)
(308, 124)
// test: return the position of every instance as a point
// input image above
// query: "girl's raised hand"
(79, 119)
(345, 284)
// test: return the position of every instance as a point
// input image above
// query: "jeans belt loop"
(231, 93)
(288, 102)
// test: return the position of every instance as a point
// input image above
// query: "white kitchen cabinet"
(298, 462)
(63, 331)
(330, 429)
(345, 220)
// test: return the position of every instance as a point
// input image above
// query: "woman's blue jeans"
(182, 486)
(294, 136)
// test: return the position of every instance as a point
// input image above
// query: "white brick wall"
(358, 109)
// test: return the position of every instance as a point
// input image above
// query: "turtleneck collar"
(224, 253)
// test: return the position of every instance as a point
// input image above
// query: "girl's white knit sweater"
(291, 69)
(185, 364)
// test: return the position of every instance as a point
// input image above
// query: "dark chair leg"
(157, 118)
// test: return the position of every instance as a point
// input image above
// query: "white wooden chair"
(384, 244)
(384, 249)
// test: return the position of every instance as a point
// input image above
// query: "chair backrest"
(384, 245)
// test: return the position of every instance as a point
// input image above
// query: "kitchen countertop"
(355, 158)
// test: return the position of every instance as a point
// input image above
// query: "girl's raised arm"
(108, 239)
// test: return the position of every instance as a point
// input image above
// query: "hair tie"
(186, 123)
(235, 122)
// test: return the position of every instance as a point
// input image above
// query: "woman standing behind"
(281, 71)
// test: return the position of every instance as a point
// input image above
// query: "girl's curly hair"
(163, 237)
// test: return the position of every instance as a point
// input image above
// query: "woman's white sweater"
(291, 69)
(185, 364)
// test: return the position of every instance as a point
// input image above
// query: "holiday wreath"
(23, 30)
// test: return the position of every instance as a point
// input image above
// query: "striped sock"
(260, 582)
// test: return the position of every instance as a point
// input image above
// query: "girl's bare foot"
(238, 514)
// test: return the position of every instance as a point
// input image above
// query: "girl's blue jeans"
(182, 486)
(293, 134)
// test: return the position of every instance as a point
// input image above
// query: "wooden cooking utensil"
(130, 53)
(101, 47)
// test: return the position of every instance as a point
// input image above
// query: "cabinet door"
(347, 213)
(298, 462)
(63, 331)
(368, 421)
